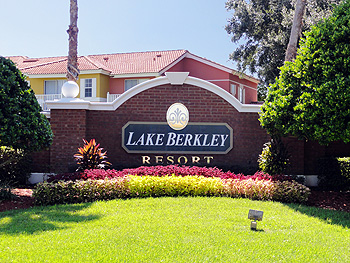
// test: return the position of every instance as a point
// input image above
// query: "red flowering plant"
(169, 170)
(90, 156)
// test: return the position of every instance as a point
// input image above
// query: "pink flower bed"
(174, 170)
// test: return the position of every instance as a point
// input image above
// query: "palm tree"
(295, 33)
(72, 65)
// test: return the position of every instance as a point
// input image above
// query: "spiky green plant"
(90, 156)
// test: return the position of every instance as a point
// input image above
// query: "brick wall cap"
(112, 106)
(68, 103)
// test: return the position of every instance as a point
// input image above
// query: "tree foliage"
(262, 29)
(22, 126)
(311, 97)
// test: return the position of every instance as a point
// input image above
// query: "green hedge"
(150, 186)
(66, 192)
(5, 192)
(334, 173)
(344, 167)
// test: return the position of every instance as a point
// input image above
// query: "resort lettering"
(197, 138)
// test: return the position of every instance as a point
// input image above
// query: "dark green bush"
(5, 191)
(310, 99)
(344, 165)
(274, 158)
(334, 173)
(15, 166)
(22, 126)
(290, 192)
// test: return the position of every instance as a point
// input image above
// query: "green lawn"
(167, 229)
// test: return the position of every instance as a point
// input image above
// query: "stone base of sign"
(37, 178)
(311, 180)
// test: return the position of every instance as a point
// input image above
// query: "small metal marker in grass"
(254, 215)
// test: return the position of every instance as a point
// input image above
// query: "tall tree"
(311, 97)
(262, 29)
(72, 66)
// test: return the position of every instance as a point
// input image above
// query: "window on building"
(233, 89)
(53, 86)
(241, 94)
(129, 83)
(88, 88)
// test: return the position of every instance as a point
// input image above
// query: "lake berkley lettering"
(205, 138)
(177, 139)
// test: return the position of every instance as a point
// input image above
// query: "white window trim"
(82, 88)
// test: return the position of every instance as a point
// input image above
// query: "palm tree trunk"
(72, 65)
(295, 33)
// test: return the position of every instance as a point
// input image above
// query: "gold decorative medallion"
(177, 116)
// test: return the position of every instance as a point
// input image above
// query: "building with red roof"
(104, 77)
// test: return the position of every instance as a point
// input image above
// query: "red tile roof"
(138, 62)
(116, 64)
(55, 66)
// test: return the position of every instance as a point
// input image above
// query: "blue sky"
(37, 28)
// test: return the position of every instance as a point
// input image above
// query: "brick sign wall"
(151, 105)
(70, 126)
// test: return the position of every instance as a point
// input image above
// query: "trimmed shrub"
(64, 192)
(290, 192)
(16, 166)
(5, 192)
(254, 189)
(153, 186)
(344, 167)
(334, 173)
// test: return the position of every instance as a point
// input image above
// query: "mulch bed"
(23, 199)
(323, 199)
(330, 200)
